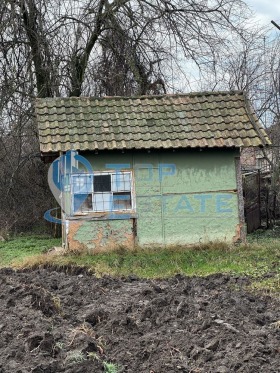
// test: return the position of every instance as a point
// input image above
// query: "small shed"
(161, 170)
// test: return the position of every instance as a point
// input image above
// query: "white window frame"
(93, 194)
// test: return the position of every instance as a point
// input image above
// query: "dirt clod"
(55, 321)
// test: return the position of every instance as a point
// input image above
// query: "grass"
(259, 257)
(18, 249)
(75, 357)
(270, 285)
(110, 367)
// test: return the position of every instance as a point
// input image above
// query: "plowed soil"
(61, 321)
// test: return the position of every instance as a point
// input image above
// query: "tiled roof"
(208, 119)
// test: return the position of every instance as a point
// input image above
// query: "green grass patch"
(259, 257)
(267, 285)
(18, 249)
(110, 367)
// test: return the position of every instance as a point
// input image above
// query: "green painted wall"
(182, 197)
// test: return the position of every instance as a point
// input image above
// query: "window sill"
(110, 215)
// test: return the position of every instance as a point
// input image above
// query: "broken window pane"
(102, 183)
(122, 201)
(82, 202)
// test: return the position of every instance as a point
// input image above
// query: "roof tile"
(207, 119)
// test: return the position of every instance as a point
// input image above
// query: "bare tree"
(253, 65)
(63, 42)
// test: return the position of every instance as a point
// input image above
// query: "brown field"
(74, 322)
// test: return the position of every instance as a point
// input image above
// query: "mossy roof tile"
(206, 119)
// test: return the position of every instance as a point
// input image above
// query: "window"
(102, 191)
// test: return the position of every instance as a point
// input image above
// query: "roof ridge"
(189, 94)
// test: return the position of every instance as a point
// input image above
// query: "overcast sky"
(266, 10)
